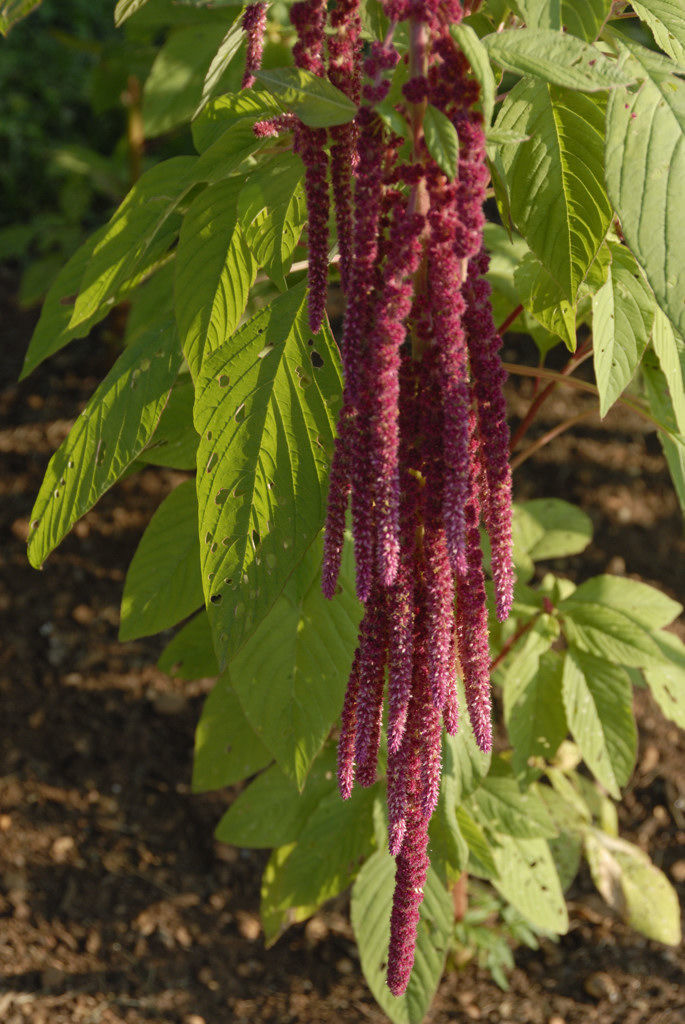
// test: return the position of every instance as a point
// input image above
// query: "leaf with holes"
(598, 703)
(297, 661)
(163, 583)
(266, 407)
(556, 57)
(645, 175)
(555, 181)
(272, 212)
(666, 19)
(214, 272)
(107, 437)
(528, 879)
(226, 748)
(190, 655)
(622, 319)
(370, 913)
(174, 442)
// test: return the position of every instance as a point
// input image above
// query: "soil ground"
(115, 903)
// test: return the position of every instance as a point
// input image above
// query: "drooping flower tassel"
(254, 25)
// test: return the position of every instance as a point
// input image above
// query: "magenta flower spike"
(254, 24)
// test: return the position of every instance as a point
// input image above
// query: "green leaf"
(223, 113)
(585, 18)
(125, 8)
(645, 175)
(265, 411)
(442, 140)
(147, 220)
(190, 654)
(163, 583)
(297, 663)
(598, 702)
(174, 87)
(607, 632)
(543, 297)
(622, 318)
(551, 528)
(503, 807)
(481, 862)
(449, 851)
(465, 763)
(272, 211)
(661, 408)
(12, 11)
(540, 13)
(370, 913)
(174, 442)
(226, 749)
(670, 350)
(230, 44)
(557, 58)
(477, 56)
(316, 102)
(533, 708)
(214, 272)
(667, 682)
(271, 811)
(528, 879)
(646, 604)
(276, 910)
(336, 838)
(107, 437)
(666, 18)
(633, 887)
(556, 180)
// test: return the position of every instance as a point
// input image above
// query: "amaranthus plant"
(350, 528)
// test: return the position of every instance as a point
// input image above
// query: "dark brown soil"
(115, 903)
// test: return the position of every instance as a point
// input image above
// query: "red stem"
(576, 359)
(515, 313)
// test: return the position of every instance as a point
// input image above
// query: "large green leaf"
(622, 319)
(174, 87)
(226, 748)
(667, 682)
(634, 887)
(550, 528)
(661, 408)
(648, 605)
(297, 662)
(645, 175)
(598, 702)
(174, 442)
(272, 210)
(556, 57)
(265, 411)
(107, 437)
(190, 655)
(271, 811)
(540, 13)
(125, 8)
(481, 862)
(543, 297)
(555, 180)
(225, 112)
(214, 76)
(528, 879)
(670, 350)
(144, 215)
(533, 709)
(666, 18)
(214, 272)
(148, 216)
(370, 912)
(12, 11)
(336, 838)
(163, 583)
(500, 805)
(607, 632)
(316, 102)
(584, 18)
